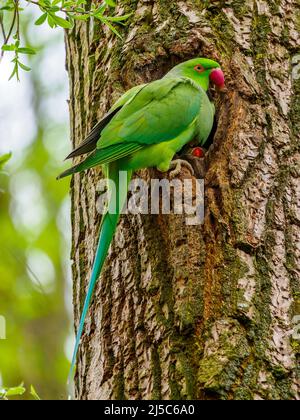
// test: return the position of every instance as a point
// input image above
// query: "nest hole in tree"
(201, 164)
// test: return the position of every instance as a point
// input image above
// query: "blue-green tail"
(107, 230)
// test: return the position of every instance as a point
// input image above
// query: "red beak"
(217, 77)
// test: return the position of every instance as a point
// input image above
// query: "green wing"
(159, 112)
(90, 142)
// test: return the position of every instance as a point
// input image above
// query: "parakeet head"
(202, 71)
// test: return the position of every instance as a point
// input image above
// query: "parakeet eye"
(199, 68)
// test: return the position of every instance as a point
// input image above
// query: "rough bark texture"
(197, 312)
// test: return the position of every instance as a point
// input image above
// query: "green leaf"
(34, 393)
(26, 50)
(81, 17)
(15, 72)
(111, 27)
(50, 21)
(100, 10)
(63, 23)
(13, 392)
(55, 2)
(119, 18)
(10, 8)
(41, 19)
(26, 68)
(79, 10)
(110, 3)
(3, 161)
(8, 47)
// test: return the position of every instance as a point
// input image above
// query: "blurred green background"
(35, 284)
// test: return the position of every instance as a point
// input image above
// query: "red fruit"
(198, 152)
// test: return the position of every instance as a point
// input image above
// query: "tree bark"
(202, 312)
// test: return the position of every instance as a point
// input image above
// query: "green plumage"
(149, 115)
(145, 128)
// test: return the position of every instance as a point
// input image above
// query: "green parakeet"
(146, 127)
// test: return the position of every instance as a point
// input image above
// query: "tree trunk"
(201, 312)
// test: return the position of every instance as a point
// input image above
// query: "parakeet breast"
(205, 119)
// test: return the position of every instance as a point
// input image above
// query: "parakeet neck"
(203, 82)
(200, 80)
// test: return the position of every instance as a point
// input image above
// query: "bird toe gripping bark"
(176, 167)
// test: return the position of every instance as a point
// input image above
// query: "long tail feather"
(107, 230)
(90, 143)
(103, 156)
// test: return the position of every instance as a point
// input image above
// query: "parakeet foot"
(176, 166)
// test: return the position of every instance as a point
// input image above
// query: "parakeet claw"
(176, 167)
